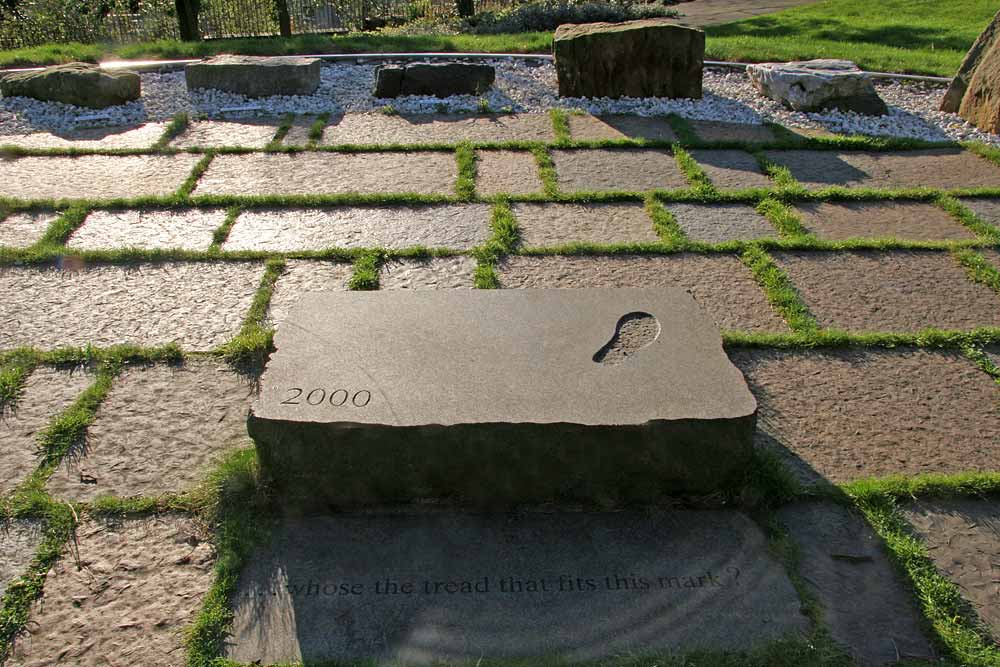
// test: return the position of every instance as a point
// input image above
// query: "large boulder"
(960, 84)
(975, 91)
(439, 80)
(76, 83)
(818, 85)
(648, 58)
(254, 76)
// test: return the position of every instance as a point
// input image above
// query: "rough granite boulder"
(648, 58)
(979, 51)
(256, 77)
(816, 85)
(978, 82)
(79, 84)
(439, 80)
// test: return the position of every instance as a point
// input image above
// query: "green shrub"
(544, 15)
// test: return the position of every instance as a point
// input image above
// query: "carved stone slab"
(505, 396)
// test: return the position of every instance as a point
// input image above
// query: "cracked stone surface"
(304, 275)
(137, 138)
(20, 230)
(186, 229)
(613, 169)
(718, 223)
(843, 415)
(452, 226)
(135, 448)
(215, 133)
(380, 128)
(434, 273)
(731, 169)
(94, 176)
(507, 172)
(330, 173)
(721, 284)
(903, 290)
(544, 225)
(915, 221)
(124, 597)
(19, 540)
(46, 393)
(198, 305)
(713, 130)
(598, 128)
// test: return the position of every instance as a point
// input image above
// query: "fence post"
(187, 19)
(465, 8)
(284, 18)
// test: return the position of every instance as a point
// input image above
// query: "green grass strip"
(783, 217)
(255, 338)
(63, 227)
(221, 235)
(665, 223)
(465, 186)
(928, 338)
(696, 176)
(781, 175)
(366, 271)
(964, 215)
(985, 362)
(175, 128)
(15, 367)
(504, 240)
(990, 153)
(560, 126)
(317, 129)
(192, 181)
(684, 131)
(546, 171)
(281, 132)
(780, 291)
(978, 269)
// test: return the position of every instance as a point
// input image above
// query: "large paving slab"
(94, 176)
(731, 169)
(944, 168)
(316, 173)
(544, 225)
(121, 594)
(843, 415)
(136, 138)
(912, 221)
(379, 128)
(866, 607)
(718, 223)
(198, 305)
(721, 284)
(963, 538)
(617, 169)
(445, 588)
(20, 230)
(185, 229)
(349, 388)
(281, 230)
(507, 172)
(46, 393)
(160, 430)
(433, 273)
(584, 127)
(217, 133)
(713, 130)
(302, 276)
(19, 540)
(890, 291)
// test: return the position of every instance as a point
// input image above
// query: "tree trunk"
(187, 19)
(284, 18)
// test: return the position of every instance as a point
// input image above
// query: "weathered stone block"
(79, 84)
(648, 58)
(815, 85)
(500, 397)
(982, 46)
(980, 104)
(254, 76)
(439, 80)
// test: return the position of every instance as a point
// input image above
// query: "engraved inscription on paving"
(320, 396)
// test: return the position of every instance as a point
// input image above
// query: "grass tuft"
(560, 126)
(175, 128)
(465, 186)
(63, 227)
(255, 340)
(780, 291)
(221, 235)
(317, 129)
(665, 223)
(546, 171)
(366, 271)
(964, 215)
(192, 181)
(783, 217)
(696, 176)
(504, 241)
(978, 269)
(281, 132)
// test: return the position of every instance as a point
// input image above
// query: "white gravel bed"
(521, 86)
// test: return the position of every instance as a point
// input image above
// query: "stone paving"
(900, 277)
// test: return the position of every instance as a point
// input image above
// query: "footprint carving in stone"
(633, 332)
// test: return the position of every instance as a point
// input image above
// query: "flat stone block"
(124, 591)
(198, 305)
(456, 588)
(302, 276)
(405, 419)
(914, 221)
(902, 291)
(584, 127)
(867, 609)
(544, 225)
(507, 172)
(254, 76)
(185, 229)
(843, 415)
(437, 79)
(713, 130)
(216, 133)
(46, 393)
(945, 168)
(434, 273)
(629, 170)
(94, 176)
(718, 223)
(330, 173)
(160, 430)
(987, 209)
(102, 138)
(963, 538)
(731, 169)
(20, 230)
(721, 284)
(284, 230)
(19, 540)
(380, 128)
(79, 84)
